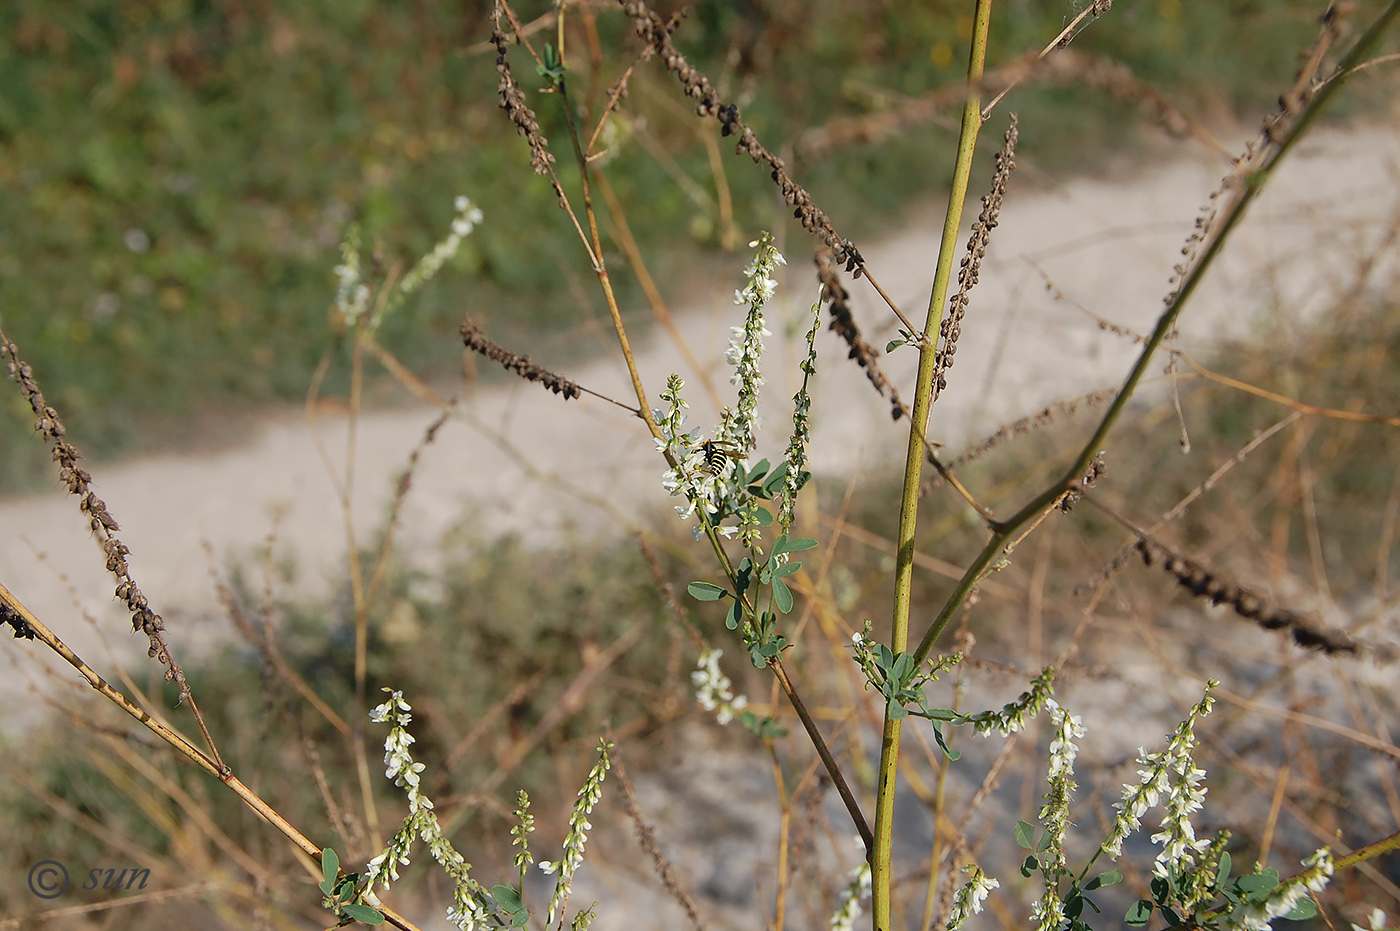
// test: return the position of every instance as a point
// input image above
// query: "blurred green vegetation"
(177, 175)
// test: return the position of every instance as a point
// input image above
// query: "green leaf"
(1044, 842)
(782, 596)
(800, 544)
(1257, 882)
(330, 869)
(949, 752)
(894, 344)
(943, 714)
(363, 914)
(1029, 865)
(744, 576)
(763, 517)
(507, 898)
(1222, 872)
(1074, 905)
(1306, 908)
(705, 591)
(757, 472)
(735, 615)
(1161, 890)
(897, 711)
(1106, 878)
(1139, 914)
(1025, 835)
(789, 569)
(775, 480)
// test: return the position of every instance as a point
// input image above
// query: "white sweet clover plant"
(714, 690)
(718, 487)
(1191, 884)
(472, 905)
(564, 868)
(717, 482)
(352, 293)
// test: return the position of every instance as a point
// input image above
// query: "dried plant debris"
(1202, 582)
(476, 340)
(103, 525)
(951, 328)
(20, 626)
(835, 294)
(1031, 422)
(655, 33)
(513, 99)
(1091, 475)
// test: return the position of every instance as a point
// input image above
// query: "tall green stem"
(914, 462)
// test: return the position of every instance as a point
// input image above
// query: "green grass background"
(177, 175)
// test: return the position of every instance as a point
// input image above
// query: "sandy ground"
(1108, 246)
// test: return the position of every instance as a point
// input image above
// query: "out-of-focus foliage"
(177, 174)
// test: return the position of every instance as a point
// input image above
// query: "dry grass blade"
(1299, 406)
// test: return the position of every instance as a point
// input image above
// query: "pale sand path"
(1109, 244)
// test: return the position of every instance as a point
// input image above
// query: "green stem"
(913, 466)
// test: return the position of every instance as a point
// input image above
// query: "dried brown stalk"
(838, 298)
(655, 33)
(1207, 583)
(519, 113)
(951, 328)
(513, 102)
(1041, 418)
(104, 526)
(477, 341)
(646, 839)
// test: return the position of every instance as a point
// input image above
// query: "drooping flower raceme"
(970, 897)
(746, 342)
(1184, 795)
(468, 909)
(1013, 715)
(468, 215)
(579, 826)
(796, 456)
(351, 293)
